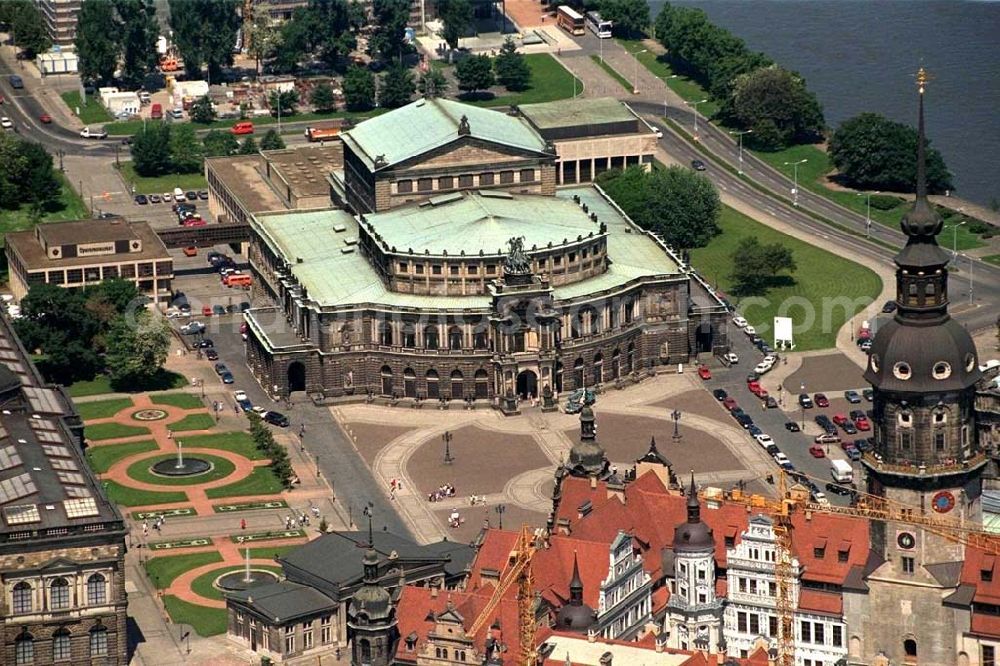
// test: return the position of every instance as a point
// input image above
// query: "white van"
(178, 194)
(841, 471)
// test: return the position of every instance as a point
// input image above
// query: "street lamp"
(500, 508)
(740, 135)
(954, 239)
(448, 459)
(795, 180)
(694, 111)
(969, 257)
(676, 416)
(802, 389)
(868, 213)
(635, 80)
(665, 79)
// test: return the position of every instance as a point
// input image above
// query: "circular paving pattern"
(213, 584)
(183, 467)
(146, 470)
(149, 415)
(235, 581)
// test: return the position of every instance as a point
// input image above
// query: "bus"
(599, 26)
(570, 20)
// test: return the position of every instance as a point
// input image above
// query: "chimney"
(434, 591)
(592, 635)
(661, 642)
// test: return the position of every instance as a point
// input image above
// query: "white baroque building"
(626, 599)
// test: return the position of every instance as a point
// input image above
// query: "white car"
(821, 498)
(731, 357)
(239, 396)
(764, 440)
(179, 194)
(6, 123)
(749, 330)
(167, 197)
(763, 367)
(781, 459)
(739, 322)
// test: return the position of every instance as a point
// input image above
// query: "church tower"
(371, 618)
(923, 369)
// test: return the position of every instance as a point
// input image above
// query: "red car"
(821, 400)
(704, 372)
(816, 451)
(206, 311)
(862, 423)
(839, 419)
(45, 118)
(190, 251)
(730, 403)
(757, 390)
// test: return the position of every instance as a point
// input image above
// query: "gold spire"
(922, 78)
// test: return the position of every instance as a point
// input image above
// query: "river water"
(861, 55)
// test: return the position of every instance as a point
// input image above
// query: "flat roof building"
(86, 252)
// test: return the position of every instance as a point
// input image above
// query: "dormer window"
(940, 417)
(970, 362)
(874, 360)
(902, 371)
(905, 419)
(941, 370)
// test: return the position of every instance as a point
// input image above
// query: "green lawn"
(97, 386)
(129, 127)
(811, 176)
(613, 73)
(992, 259)
(101, 458)
(261, 481)
(686, 88)
(113, 431)
(91, 114)
(193, 422)
(826, 287)
(130, 497)
(236, 442)
(549, 81)
(164, 380)
(163, 570)
(205, 621)
(159, 184)
(203, 584)
(68, 206)
(181, 400)
(102, 409)
(271, 553)
(139, 470)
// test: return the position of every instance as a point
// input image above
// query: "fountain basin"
(235, 581)
(190, 466)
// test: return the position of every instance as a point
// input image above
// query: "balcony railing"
(912, 469)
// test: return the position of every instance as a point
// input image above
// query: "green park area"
(66, 206)
(102, 409)
(140, 471)
(131, 497)
(203, 584)
(831, 287)
(165, 379)
(549, 81)
(101, 431)
(91, 113)
(193, 422)
(992, 259)
(101, 458)
(235, 442)
(163, 570)
(179, 400)
(161, 184)
(205, 621)
(686, 88)
(261, 481)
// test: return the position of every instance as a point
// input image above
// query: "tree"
(756, 266)
(433, 84)
(29, 29)
(456, 15)
(56, 323)
(97, 45)
(474, 73)
(121, 296)
(136, 348)
(679, 204)
(37, 180)
(775, 104)
(286, 101)
(872, 152)
(264, 37)
(186, 154)
(202, 110)
(151, 149)
(629, 17)
(330, 23)
(249, 146)
(220, 143)
(322, 98)
(205, 33)
(359, 89)
(511, 67)
(272, 141)
(139, 34)
(397, 86)
(390, 18)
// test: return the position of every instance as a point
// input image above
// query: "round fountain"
(236, 581)
(181, 466)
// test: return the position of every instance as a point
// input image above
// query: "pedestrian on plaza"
(145, 528)
(302, 429)
(170, 434)
(243, 523)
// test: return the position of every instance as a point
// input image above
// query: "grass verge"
(992, 259)
(272, 553)
(164, 380)
(160, 184)
(163, 570)
(90, 114)
(101, 458)
(261, 481)
(204, 621)
(236, 442)
(203, 586)
(193, 422)
(825, 292)
(101, 431)
(613, 73)
(131, 497)
(67, 206)
(139, 470)
(180, 400)
(129, 127)
(687, 89)
(549, 81)
(102, 409)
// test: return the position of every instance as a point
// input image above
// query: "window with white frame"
(97, 590)
(59, 594)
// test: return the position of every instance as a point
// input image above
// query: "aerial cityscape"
(510, 333)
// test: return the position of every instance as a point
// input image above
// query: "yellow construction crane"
(518, 570)
(870, 507)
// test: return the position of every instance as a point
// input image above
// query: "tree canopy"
(774, 104)
(97, 40)
(433, 84)
(629, 17)
(474, 73)
(151, 149)
(137, 348)
(272, 140)
(205, 33)
(220, 143)
(679, 204)
(390, 18)
(322, 98)
(186, 152)
(875, 153)
(397, 86)
(455, 15)
(27, 175)
(28, 26)
(138, 44)
(359, 89)
(756, 267)
(202, 110)
(511, 68)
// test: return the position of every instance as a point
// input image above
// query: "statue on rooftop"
(516, 260)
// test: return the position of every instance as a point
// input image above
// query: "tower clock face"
(943, 502)
(905, 540)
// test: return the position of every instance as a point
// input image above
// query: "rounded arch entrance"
(296, 376)
(527, 384)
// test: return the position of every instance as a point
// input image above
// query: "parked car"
(141, 199)
(192, 327)
(191, 195)
(206, 311)
(211, 355)
(720, 394)
(821, 400)
(852, 397)
(868, 394)
(862, 423)
(792, 426)
(739, 322)
(749, 330)
(88, 133)
(770, 402)
(218, 310)
(6, 123)
(45, 118)
(840, 419)
(205, 343)
(826, 439)
(276, 418)
(816, 451)
(730, 403)
(203, 195)
(744, 420)
(764, 440)
(221, 368)
(704, 372)
(731, 357)
(838, 489)
(754, 431)
(190, 251)
(227, 378)
(890, 306)
(852, 452)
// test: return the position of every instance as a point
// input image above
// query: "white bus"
(599, 26)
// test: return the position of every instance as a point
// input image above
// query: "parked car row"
(178, 195)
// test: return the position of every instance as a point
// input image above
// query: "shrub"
(885, 201)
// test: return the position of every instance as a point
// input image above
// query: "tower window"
(940, 416)
(908, 564)
(905, 440)
(970, 362)
(905, 419)
(941, 370)
(902, 370)
(939, 441)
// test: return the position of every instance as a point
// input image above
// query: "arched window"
(598, 368)
(479, 338)
(409, 335)
(22, 602)
(616, 359)
(59, 594)
(482, 384)
(576, 325)
(910, 650)
(366, 651)
(630, 358)
(24, 649)
(98, 641)
(456, 385)
(431, 336)
(386, 374)
(454, 338)
(61, 645)
(578, 378)
(433, 390)
(96, 590)
(409, 383)
(385, 333)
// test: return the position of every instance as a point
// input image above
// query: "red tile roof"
(834, 535)
(977, 561)
(817, 601)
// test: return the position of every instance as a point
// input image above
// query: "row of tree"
(204, 32)
(163, 148)
(679, 204)
(264, 440)
(27, 176)
(79, 333)
(26, 25)
(117, 33)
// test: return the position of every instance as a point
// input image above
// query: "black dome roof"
(576, 615)
(939, 357)
(693, 535)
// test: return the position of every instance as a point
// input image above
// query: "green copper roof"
(474, 222)
(575, 112)
(431, 123)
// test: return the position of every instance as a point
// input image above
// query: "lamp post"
(635, 79)
(448, 459)
(500, 508)
(971, 297)
(676, 416)
(740, 135)
(954, 239)
(672, 76)
(694, 111)
(795, 180)
(868, 213)
(61, 153)
(802, 389)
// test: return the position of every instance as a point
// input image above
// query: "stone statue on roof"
(516, 260)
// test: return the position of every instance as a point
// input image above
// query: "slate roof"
(284, 600)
